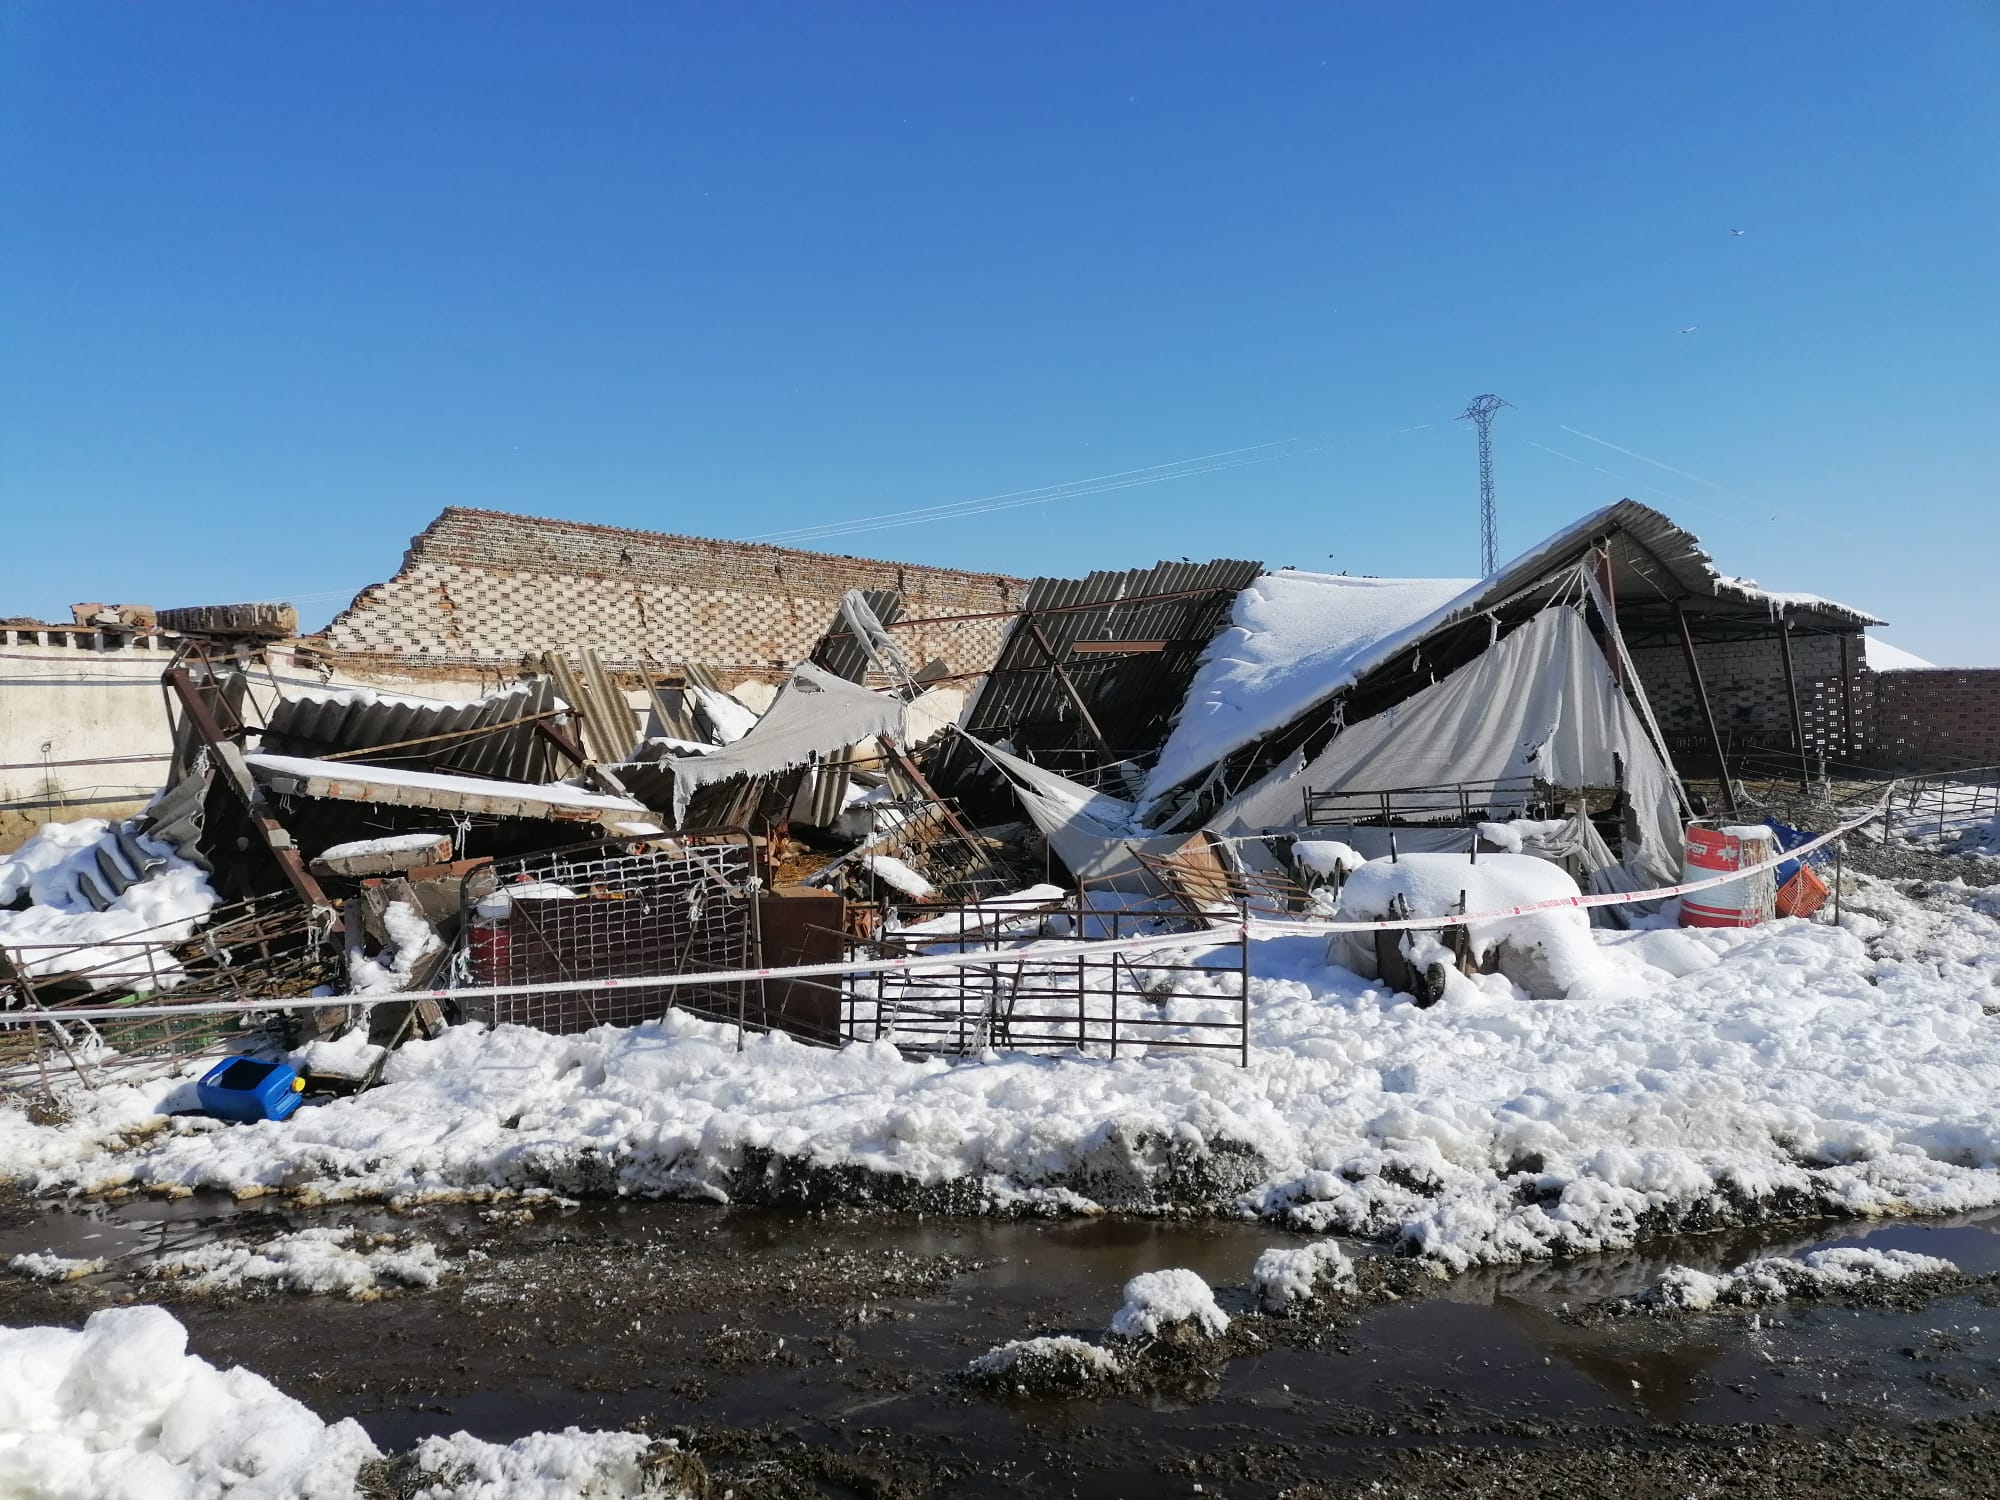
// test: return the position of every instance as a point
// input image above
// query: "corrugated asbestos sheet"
(336, 721)
(1127, 644)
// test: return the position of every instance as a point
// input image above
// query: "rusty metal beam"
(1792, 699)
(229, 755)
(1069, 687)
(1707, 712)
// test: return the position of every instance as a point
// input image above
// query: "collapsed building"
(546, 760)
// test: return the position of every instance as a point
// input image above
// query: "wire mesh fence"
(611, 910)
(1177, 998)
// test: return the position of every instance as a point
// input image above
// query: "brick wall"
(485, 587)
(1746, 691)
(1940, 719)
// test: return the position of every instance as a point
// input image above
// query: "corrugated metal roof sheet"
(1164, 615)
(317, 722)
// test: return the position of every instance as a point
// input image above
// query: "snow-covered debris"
(320, 1261)
(43, 1266)
(1050, 1363)
(899, 876)
(119, 1410)
(1758, 1283)
(394, 843)
(1546, 953)
(729, 719)
(1701, 1077)
(411, 941)
(1326, 858)
(1158, 1300)
(61, 931)
(1283, 1276)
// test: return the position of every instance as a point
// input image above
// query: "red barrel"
(489, 945)
(1716, 851)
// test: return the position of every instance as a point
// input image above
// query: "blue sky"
(278, 282)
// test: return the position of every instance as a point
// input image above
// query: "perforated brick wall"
(1746, 690)
(485, 587)
(1941, 719)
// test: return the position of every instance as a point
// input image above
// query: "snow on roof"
(1293, 639)
(1883, 657)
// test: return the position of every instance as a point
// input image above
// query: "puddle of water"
(557, 1329)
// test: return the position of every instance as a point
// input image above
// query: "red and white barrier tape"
(1221, 932)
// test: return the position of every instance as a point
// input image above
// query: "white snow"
(43, 1266)
(729, 719)
(1057, 1356)
(1883, 657)
(1710, 1075)
(1284, 1276)
(895, 873)
(119, 1410)
(1760, 1282)
(1016, 912)
(121, 947)
(1326, 857)
(1157, 1300)
(320, 1261)
(395, 843)
(1293, 639)
(497, 904)
(411, 941)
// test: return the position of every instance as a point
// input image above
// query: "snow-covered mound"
(1050, 1364)
(119, 1410)
(1158, 1300)
(1546, 953)
(1758, 1283)
(61, 932)
(1283, 1277)
(1701, 1077)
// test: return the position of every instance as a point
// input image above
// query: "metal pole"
(1243, 980)
(1707, 713)
(1849, 749)
(1792, 699)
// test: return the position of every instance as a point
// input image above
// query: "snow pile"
(1050, 1363)
(1883, 657)
(1546, 953)
(125, 945)
(1017, 913)
(567, 1465)
(898, 876)
(121, 1411)
(497, 905)
(1282, 1277)
(1822, 1273)
(411, 941)
(1294, 639)
(319, 1261)
(1158, 1300)
(45, 1267)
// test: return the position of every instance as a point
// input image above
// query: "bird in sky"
(1735, 231)
(1691, 328)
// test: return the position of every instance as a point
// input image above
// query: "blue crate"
(241, 1088)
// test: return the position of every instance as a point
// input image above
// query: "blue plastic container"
(241, 1088)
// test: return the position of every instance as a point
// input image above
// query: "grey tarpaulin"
(815, 714)
(1539, 704)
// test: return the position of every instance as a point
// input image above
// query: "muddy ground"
(824, 1355)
